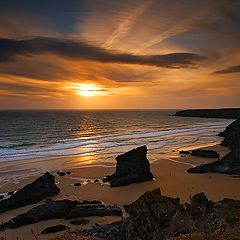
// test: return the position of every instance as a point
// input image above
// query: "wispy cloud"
(10, 48)
(231, 69)
(126, 25)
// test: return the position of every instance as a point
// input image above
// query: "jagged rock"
(205, 153)
(39, 189)
(231, 134)
(54, 229)
(79, 221)
(153, 217)
(1, 197)
(61, 209)
(132, 167)
(49, 210)
(84, 210)
(229, 164)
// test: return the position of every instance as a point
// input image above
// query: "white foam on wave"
(155, 139)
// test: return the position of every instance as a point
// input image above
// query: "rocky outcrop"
(61, 209)
(205, 153)
(79, 221)
(99, 210)
(54, 229)
(132, 167)
(230, 113)
(39, 189)
(231, 134)
(229, 164)
(49, 210)
(154, 217)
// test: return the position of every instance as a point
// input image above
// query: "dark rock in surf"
(132, 167)
(39, 189)
(205, 153)
(54, 229)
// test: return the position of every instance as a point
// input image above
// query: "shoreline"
(170, 175)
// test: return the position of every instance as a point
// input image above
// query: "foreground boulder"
(153, 217)
(132, 167)
(34, 192)
(229, 164)
(99, 210)
(231, 134)
(61, 209)
(205, 153)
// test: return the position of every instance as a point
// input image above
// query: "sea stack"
(132, 167)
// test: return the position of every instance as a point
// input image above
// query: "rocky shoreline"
(151, 216)
(229, 164)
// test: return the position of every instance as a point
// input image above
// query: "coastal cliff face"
(229, 164)
(230, 113)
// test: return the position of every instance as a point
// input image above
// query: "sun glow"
(88, 90)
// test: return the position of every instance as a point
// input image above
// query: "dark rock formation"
(10, 193)
(1, 197)
(49, 210)
(100, 210)
(230, 113)
(77, 184)
(229, 164)
(54, 229)
(132, 167)
(184, 152)
(205, 153)
(231, 134)
(79, 221)
(39, 189)
(61, 209)
(61, 173)
(154, 217)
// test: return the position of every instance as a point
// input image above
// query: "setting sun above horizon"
(87, 90)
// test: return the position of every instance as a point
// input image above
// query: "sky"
(108, 54)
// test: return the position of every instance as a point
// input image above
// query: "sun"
(87, 90)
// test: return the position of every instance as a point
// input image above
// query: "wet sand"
(170, 175)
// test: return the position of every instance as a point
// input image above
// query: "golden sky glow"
(102, 54)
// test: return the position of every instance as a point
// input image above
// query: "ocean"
(27, 135)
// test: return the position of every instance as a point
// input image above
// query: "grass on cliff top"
(230, 234)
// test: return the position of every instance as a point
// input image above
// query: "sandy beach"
(170, 175)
